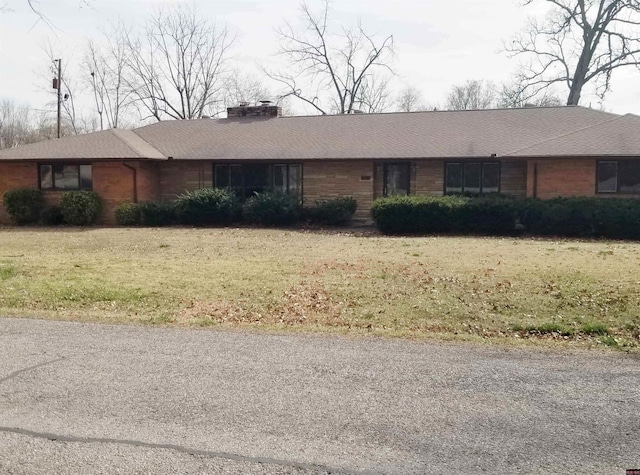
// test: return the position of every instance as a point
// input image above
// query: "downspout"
(135, 181)
(535, 180)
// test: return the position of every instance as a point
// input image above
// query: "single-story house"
(541, 152)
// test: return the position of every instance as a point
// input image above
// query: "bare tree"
(580, 42)
(327, 71)
(178, 69)
(471, 95)
(516, 95)
(242, 87)
(14, 124)
(374, 95)
(410, 100)
(105, 68)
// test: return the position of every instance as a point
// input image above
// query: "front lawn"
(500, 289)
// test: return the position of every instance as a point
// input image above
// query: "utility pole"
(57, 83)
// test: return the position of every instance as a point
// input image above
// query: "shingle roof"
(547, 131)
(108, 144)
(398, 135)
(617, 137)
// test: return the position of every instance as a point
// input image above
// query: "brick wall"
(427, 178)
(513, 178)
(562, 177)
(114, 183)
(15, 175)
(323, 180)
(176, 177)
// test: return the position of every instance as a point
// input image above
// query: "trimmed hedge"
(158, 213)
(333, 212)
(24, 205)
(80, 208)
(272, 209)
(207, 206)
(128, 214)
(503, 215)
(148, 213)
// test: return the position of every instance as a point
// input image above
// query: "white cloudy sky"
(438, 42)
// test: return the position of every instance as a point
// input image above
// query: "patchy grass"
(465, 288)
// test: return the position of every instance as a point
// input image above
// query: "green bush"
(158, 213)
(80, 208)
(498, 215)
(24, 205)
(128, 214)
(272, 209)
(418, 214)
(52, 216)
(560, 216)
(207, 206)
(333, 212)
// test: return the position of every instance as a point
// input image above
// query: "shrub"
(128, 214)
(207, 206)
(333, 212)
(497, 215)
(560, 216)
(80, 208)
(492, 214)
(53, 216)
(272, 209)
(158, 213)
(24, 205)
(418, 214)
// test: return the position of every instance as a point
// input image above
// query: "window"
(472, 177)
(65, 177)
(248, 179)
(618, 176)
(397, 177)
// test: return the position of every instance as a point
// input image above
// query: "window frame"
(617, 191)
(53, 186)
(463, 164)
(242, 189)
(385, 174)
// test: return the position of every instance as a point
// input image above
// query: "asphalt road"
(98, 399)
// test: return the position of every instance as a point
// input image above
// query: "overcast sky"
(438, 42)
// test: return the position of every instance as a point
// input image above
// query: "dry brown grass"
(497, 289)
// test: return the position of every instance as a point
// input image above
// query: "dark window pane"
(86, 180)
(397, 179)
(221, 176)
(472, 175)
(607, 177)
(280, 178)
(66, 177)
(295, 180)
(256, 179)
(46, 178)
(490, 177)
(454, 178)
(235, 177)
(629, 176)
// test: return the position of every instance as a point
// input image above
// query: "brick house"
(536, 152)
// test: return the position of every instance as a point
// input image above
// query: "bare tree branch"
(471, 95)
(178, 69)
(331, 72)
(580, 42)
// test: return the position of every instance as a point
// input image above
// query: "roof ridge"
(566, 134)
(135, 142)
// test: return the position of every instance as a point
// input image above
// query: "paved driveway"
(83, 398)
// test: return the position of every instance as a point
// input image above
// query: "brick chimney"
(265, 109)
